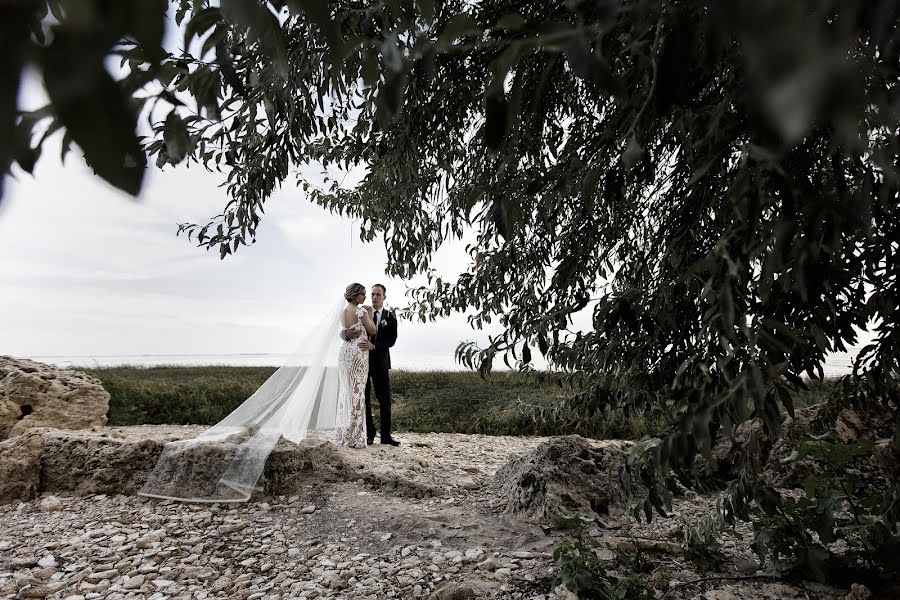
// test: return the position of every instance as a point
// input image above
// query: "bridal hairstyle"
(353, 290)
(225, 463)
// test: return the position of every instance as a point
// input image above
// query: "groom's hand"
(366, 345)
(352, 334)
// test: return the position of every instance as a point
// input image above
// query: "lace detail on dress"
(353, 365)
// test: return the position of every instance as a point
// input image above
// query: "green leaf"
(92, 108)
(177, 138)
(23, 153)
(426, 8)
(632, 153)
(215, 39)
(813, 558)
(319, 13)
(148, 22)
(390, 50)
(526, 354)
(15, 44)
(200, 23)
(459, 25)
(495, 119)
(511, 21)
(262, 26)
(370, 70)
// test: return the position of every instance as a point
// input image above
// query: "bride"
(321, 387)
(354, 370)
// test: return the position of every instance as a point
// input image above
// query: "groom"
(379, 347)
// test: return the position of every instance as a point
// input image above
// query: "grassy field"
(459, 402)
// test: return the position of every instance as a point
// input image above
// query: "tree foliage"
(715, 182)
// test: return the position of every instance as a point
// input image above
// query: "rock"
(474, 553)
(42, 590)
(50, 504)
(135, 582)
(97, 462)
(308, 509)
(48, 561)
(858, 592)
(564, 593)
(718, 595)
(488, 564)
(563, 475)
(451, 591)
(849, 426)
(887, 457)
(33, 394)
(20, 467)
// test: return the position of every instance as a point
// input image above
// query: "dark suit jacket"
(380, 357)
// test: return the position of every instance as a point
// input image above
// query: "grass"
(437, 401)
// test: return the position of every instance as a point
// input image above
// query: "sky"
(88, 271)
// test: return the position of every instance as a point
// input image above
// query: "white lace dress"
(353, 365)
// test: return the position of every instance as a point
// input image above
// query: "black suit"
(379, 374)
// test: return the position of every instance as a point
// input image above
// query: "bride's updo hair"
(353, 290)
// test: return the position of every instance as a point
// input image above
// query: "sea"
(421, 362)
(837, 364)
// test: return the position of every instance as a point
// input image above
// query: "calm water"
(837, 364)
(418, 363)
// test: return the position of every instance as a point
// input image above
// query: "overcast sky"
(89, 271)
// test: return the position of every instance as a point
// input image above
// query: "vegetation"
(439, 401)
(715, 183)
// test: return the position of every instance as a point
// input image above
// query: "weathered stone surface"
(887, 457)
(102, 462)
(849, 426)
(563, 475)
(33, 394)
(20, 467)
(118, 460)
(452, 591)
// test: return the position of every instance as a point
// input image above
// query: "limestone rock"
(849, 426)
(33, 394)
(563, 475)
(452, 591)
(887, 457)
(859, 592)
(20, 467)
(50, 504)
(89, 462)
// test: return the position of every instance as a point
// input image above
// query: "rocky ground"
(425, 520)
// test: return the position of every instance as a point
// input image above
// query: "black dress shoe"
(390, 441)
(370, 441)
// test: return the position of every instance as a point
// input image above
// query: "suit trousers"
(379, 379)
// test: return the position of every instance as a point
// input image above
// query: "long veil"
(224, 464)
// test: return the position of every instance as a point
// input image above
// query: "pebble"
(47, 562)
(327, 540)
(50, 504)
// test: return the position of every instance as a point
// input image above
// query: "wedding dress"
(226, 462)
(353, 365)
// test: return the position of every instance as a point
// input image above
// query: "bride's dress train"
(226, 462)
